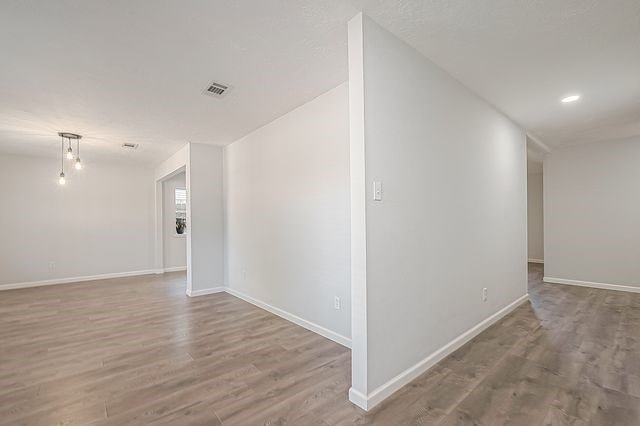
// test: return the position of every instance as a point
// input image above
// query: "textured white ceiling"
(133, 71)
(523, 56)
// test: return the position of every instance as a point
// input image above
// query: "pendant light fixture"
(69, 153)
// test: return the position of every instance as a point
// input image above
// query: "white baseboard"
(338, 338)
(590, 284)
(76, 279)
(204, 291)
(536, 261)
(387, 389)
(358, 399)
(175, 269)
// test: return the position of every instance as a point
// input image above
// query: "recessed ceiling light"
(571, 98)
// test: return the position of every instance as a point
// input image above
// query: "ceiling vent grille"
(217, 90)
(129, 145)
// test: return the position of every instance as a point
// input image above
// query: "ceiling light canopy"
(570, 98)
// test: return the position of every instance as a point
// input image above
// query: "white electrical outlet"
(484, 294)
(52, 265)
(336, 302)
(244, 275)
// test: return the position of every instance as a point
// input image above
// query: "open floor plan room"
(146, 354)
(332, 212)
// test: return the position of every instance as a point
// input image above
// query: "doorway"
(535, 205)
(174, 218)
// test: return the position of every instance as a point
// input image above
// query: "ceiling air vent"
(129, 145)
(217, 90)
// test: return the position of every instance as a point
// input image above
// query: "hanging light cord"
(62, 155)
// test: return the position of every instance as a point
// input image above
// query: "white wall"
(535, 221)
(287, 212)
(174, 246)
(205, 218)
(100, 222)
(453, 215)
(592, 213)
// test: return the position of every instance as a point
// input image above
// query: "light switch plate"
(377, 190)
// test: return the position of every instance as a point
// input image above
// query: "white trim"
(338, 338)
(70, 280)
(204, 291)
(175, 269)
(358, 399)
(536, 261)
(358, 185)
(385, 390)
(602, 286)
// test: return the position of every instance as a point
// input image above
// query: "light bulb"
(69, 154)
(571, 98)
(78, 164)
(62, 180)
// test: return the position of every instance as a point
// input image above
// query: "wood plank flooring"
(137, 351)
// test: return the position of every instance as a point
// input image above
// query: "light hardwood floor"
(137, 350)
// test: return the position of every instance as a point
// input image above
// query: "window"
(181, 210)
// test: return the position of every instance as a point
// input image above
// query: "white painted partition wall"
(287, 216)
(592, 215)
(205, 233)
(452, 219)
